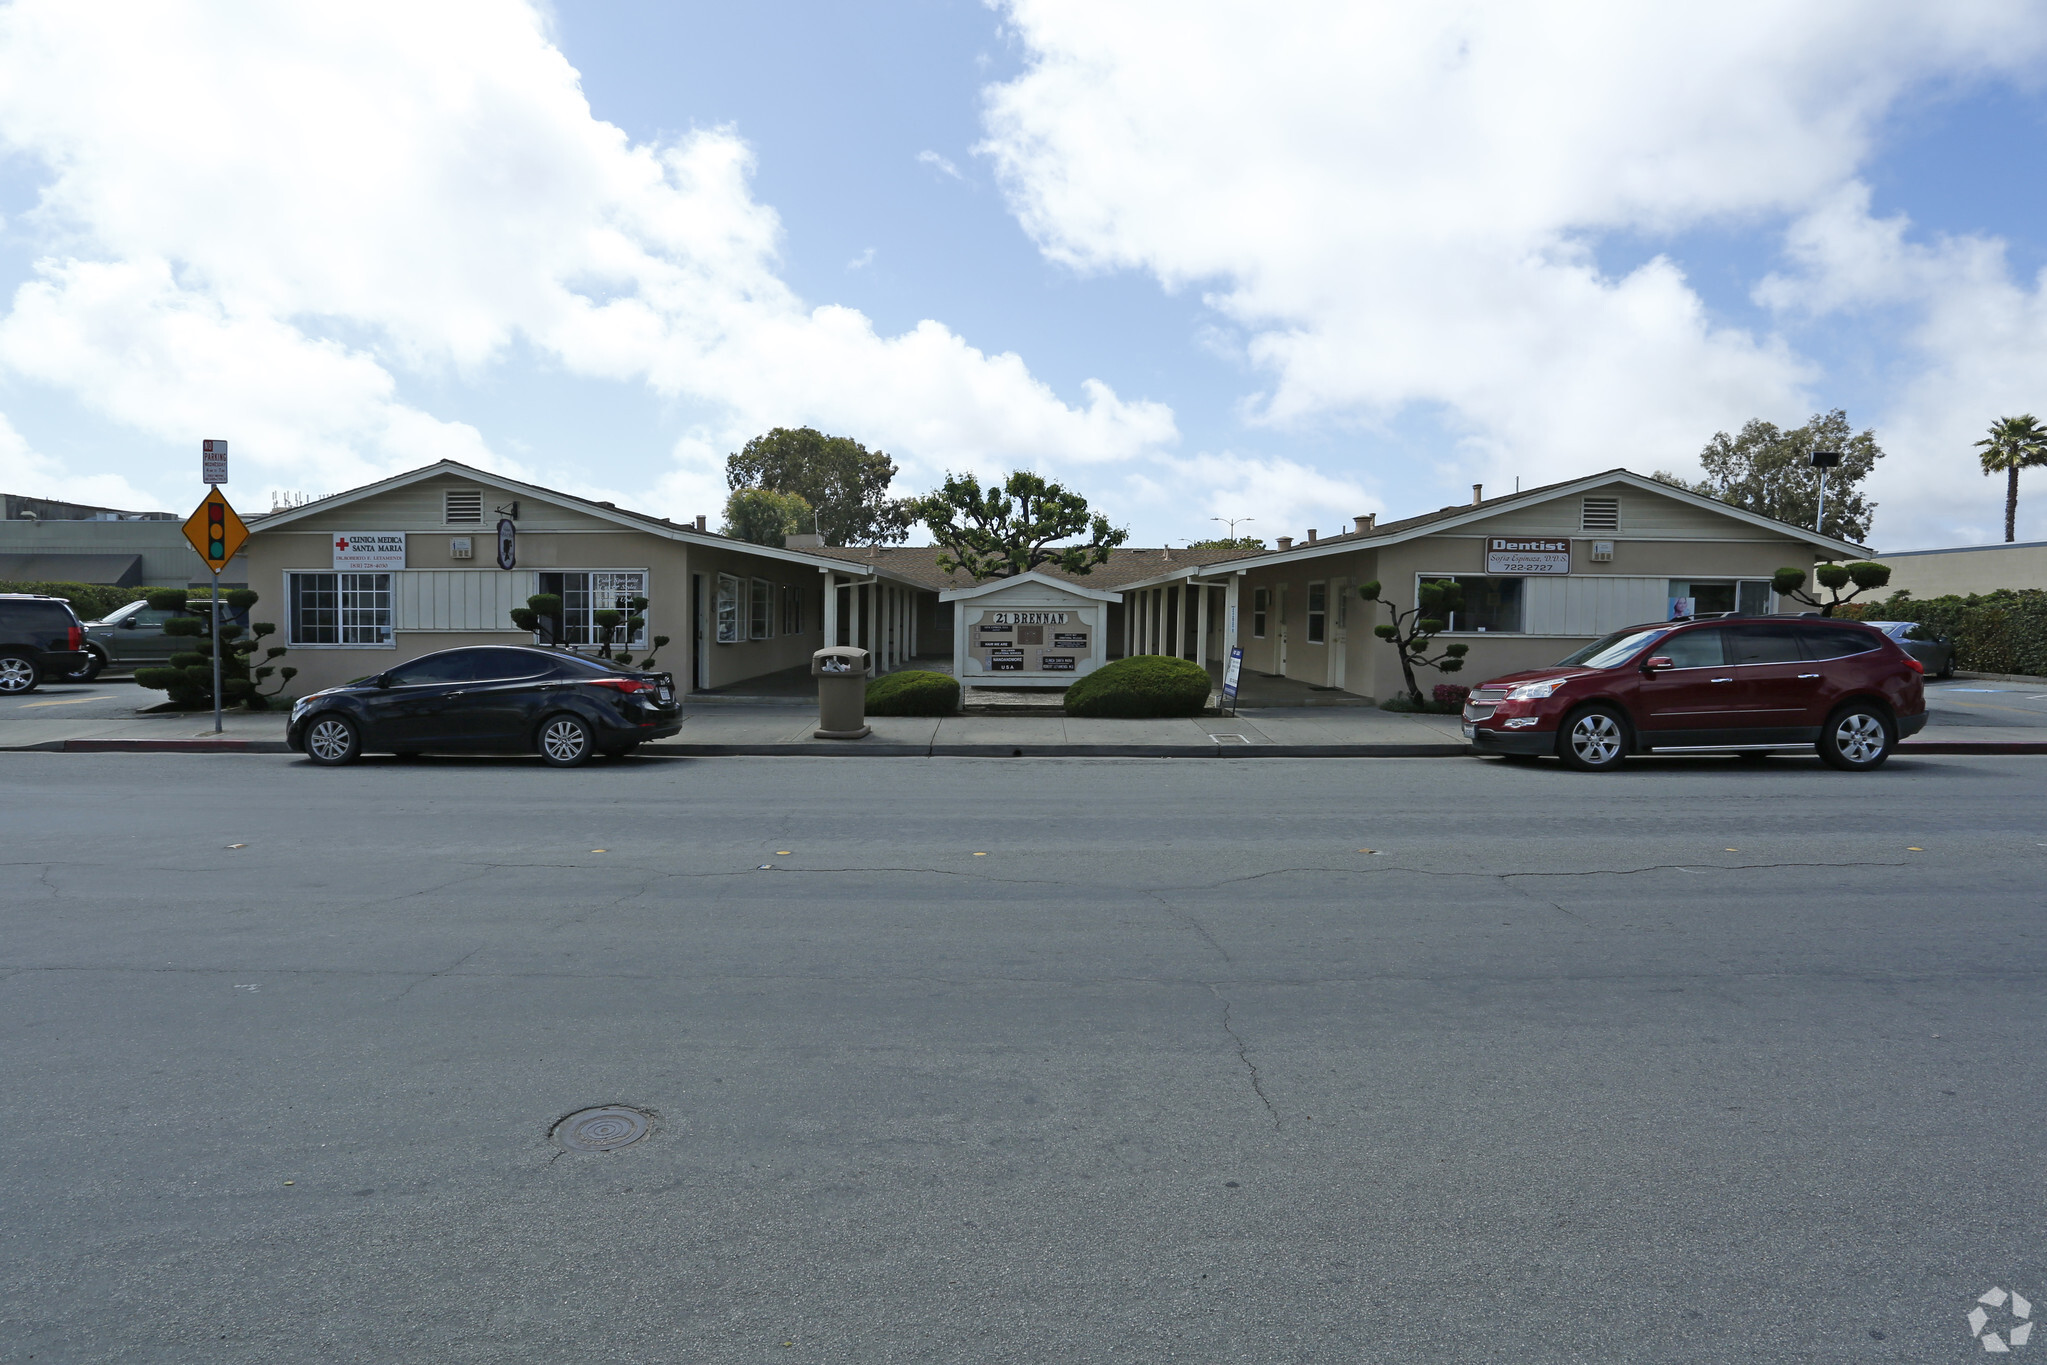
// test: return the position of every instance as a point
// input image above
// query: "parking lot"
(991, 1060)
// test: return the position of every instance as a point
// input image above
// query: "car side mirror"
(1657, 664)
(382, 680)
(129, 623)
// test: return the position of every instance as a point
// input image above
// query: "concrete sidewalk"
(713, 731)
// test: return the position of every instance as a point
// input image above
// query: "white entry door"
(1339, 613)
(1281, 603)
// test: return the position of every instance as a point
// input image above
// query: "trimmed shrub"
(1997, 632)
(1441, 704)
(1145, 686)
(90, 600)
(1450, 696)
(913, 692)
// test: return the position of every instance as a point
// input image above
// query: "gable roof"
(919, 564)
(1038, 575)
(603, 511)
(1449, 518)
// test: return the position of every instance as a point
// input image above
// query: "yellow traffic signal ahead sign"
(215, 531)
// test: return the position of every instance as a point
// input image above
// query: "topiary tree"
(1790, 582)
(622, 626)
(188, 677)
(1009, 528)
(541, 616)
(1412, 632)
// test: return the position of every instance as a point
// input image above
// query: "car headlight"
(1534, 691)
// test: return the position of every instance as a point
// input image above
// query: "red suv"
(1749, 684)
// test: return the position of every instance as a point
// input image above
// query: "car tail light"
(76, 640)
(637, 687)
(1914, 664)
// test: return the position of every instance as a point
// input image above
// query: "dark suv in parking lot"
(488, 699)
(40, 638)
(1747, 684)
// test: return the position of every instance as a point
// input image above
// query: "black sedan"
(489, 699)
(1937, 652)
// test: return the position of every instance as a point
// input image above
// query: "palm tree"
(2014, 443)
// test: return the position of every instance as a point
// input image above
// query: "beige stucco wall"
(1938, 573)
(550, 537)
(1659, 538)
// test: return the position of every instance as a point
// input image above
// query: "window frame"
(791, 609)
(341, 607)
(1318, 618)
(727, 618)
(590, 592)
(1261, 608)
(760, 609)
(1520, 629)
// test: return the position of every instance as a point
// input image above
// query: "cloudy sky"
(1288, 262)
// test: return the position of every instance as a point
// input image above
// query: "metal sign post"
(216, 533)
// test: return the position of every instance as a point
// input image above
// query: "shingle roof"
(919, 564)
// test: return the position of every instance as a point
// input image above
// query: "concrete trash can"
(841, 673)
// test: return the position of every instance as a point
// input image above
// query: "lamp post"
(1823, 460)
(1231, 522)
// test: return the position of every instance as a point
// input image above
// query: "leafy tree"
(1768, 470)
(761, 516)
(1412, 632)
(1007, 530)
(845, 483)
(2014, 443)
(1790, 582)
(188, 676)
(1228, 544)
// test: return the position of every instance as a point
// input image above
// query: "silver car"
(1937, 652)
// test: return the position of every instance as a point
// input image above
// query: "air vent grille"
(463, 507)
(1601, 514)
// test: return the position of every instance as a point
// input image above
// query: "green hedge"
(1145, 686)
(913, 692)
(1997, 632)
(90, 600)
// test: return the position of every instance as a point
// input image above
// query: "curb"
(2000, 677)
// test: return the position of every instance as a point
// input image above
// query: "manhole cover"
(602, 1130)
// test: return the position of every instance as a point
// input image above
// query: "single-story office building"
(1968, 569)
(371, 577)
(1543, 571)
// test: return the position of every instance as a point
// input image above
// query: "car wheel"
(565, 741)
(95, 661)
(332, 741)
(18, 673)
(1856, 738)
(1594, 740)
(1947, 668)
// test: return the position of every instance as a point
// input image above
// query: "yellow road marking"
(68, 701)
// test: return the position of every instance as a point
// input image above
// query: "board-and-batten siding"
(1591, 604)
(458, 599)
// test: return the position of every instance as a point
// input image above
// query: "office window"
(1261, 607)
(792, 609)
(462, 507)
(1318, 613)
(760, 618)
(338, 609)
(1490, 604)
(585, 593)
(1600, 514)
(731, 625)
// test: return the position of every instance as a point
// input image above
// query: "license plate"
(665, 694)
(1469, 729)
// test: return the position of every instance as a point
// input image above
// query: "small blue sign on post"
(1234, 671)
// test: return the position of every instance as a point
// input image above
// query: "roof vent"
(462, 506)
(1311, 535)
(1477, 494)
(700, 522)
(1367, 522)
(1286, 542)
(1600, 514)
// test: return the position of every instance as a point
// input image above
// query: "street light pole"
(1231, 522)
(1823, 460)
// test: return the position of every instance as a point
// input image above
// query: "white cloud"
(1975, 349)
(1268, 496)
(261, 221)
(927, 157)
(862, 261)
(23, 470)
(1402, 204)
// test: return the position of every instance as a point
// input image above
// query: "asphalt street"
(1039, 1060)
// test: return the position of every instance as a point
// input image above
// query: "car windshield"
(1616, 648)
